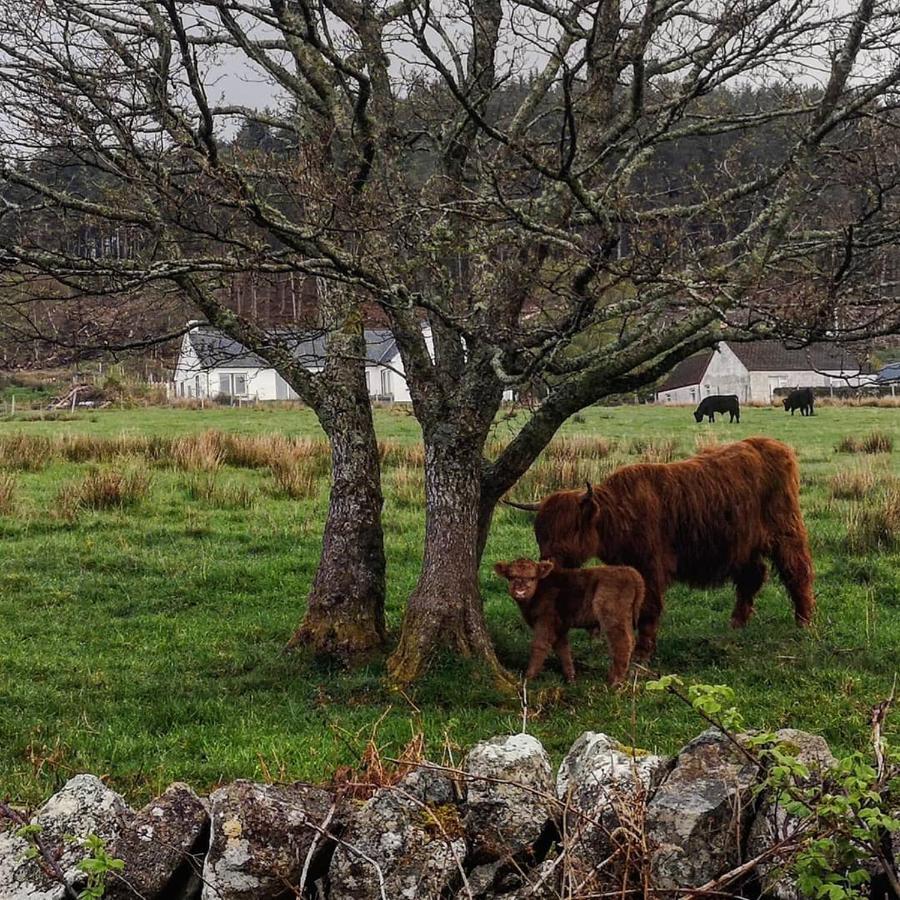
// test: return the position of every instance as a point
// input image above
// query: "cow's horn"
(590, 490)
(528, 507)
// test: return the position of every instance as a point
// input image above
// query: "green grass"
(143, 643)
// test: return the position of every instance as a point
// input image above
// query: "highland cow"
(701, 521)
(718, 403)
(554, 600)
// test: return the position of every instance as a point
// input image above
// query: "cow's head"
(523, 576)
(565, 527)
(786, 403)
(698, 416)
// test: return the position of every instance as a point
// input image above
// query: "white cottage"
(755, 370)
(212, 365)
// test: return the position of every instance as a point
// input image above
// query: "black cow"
(718, 403)
(802, 399)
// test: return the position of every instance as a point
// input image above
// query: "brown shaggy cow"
(701, 521)
(554, 600)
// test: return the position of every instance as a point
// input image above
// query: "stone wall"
(611, 820)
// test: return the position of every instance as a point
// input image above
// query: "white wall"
(684, 396)
(763, 384)
(380, 377)
(726, 374)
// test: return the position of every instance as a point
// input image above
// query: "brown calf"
(554, 600)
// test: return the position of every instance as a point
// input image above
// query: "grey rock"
(602, 786)
(405, 843)
(163, 848)
(85, 806)
(481, 880)
(509, 788)
(773, 823)
(260, 838)
(543, 882)
(698, 817)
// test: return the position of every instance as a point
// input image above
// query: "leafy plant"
(97, 865)
(840, 821)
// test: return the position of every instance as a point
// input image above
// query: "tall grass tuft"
(585, 448)
(874, 526)
(8, 494)
(706, 440)
(654, 450)
(853, 484)
(295, 478)
(878, 442)
(874, 442)
(103, 489)
(25, 452)
(205, 487)
(396, 453)
(407, 486)
(202, 452)
(549, 475)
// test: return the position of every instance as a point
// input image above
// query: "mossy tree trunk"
(445, 613)
(345, 609)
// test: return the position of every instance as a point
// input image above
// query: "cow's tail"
(639, 591)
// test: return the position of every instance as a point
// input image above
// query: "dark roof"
(774, 356)
(689, 371)
(215, 350)
(890, 372)
(380, 345)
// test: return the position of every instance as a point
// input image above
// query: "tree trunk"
(445, 611)
(345, 611)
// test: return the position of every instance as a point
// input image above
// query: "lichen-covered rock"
(505, 819)
(85, 806)
(260, 837)
(163, 848)
(773, 823)
(405, 843)
(543, 882)
(602, 786)
(698, 817)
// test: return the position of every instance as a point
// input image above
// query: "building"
(755, 371)
(889, 374)
(212, 365)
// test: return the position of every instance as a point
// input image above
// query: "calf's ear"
(502, 569)
(545, 567)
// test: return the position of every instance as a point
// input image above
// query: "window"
(196, 385)
(368, 383)
(386, 382)
(232, 384)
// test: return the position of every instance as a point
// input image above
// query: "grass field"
(143, 642)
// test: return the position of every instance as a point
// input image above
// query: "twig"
(8, 813)
(312, 847)
(524, 698)
(879, 716)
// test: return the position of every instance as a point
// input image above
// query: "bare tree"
(119, 92)
(571, 196)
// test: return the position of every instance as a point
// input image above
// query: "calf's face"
(523, 576)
